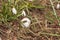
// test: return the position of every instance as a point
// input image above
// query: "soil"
(40, 29)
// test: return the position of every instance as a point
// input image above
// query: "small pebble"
(9, 31)
(0, 38)
(31, 0)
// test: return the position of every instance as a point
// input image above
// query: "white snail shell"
(14, 11)
(58, 6)
(23, 13)
(26, 23)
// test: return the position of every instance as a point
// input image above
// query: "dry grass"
(41, 28)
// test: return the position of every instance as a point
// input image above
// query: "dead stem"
(54, 11)
(48, 34)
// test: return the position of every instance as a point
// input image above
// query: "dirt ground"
(40, 29)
